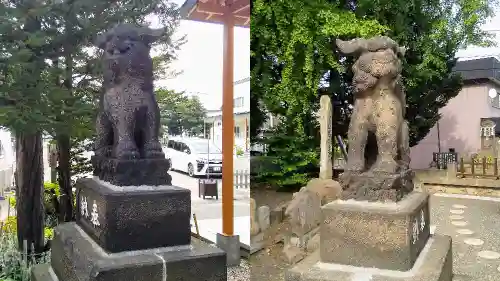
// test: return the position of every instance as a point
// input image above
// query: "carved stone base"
(378, 242)
(133, 218)
(435, 263)
(132, 172)
(381, 235)
(376, 186)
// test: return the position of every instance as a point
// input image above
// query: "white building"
(7, 159)
(241, 113)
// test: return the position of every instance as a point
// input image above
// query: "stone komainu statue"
(128, 120)
(379, 105)
(378, 133)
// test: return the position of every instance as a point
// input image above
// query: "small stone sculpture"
(304, 213)
(254, 224)
(378, 157)
(128, 120)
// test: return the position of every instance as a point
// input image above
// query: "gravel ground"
(236, 273)
(239, 273)
(474, 226)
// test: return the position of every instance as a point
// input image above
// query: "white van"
(197, 157)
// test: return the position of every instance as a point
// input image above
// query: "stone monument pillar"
(325, 123)
(131, 223)
(380, 228)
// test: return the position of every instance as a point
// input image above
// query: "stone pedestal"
(133, 172)
(380, 241)
(159, 215)
(376, 186)
(130, 233)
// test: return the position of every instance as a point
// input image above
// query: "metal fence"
(339, 163)
(241, 179)
(485, 167)
(442, 159)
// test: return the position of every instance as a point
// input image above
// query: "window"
(205, 147)
(184, 148)
(237, 132)
(488, 131)
(238, 102)
(170, 144)
(177, 146)
(495, 102)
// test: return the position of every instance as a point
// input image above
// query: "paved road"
(209, 211)
(210, 208)
(474, 226)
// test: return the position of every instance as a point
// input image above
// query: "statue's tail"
(373, 44)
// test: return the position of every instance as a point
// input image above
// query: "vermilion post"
(228, 127)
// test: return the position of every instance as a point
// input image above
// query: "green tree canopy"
(294, 59)
(180, 113)
(50, 80)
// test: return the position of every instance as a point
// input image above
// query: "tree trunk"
(63, 137)
(64, 179)
(29, 190)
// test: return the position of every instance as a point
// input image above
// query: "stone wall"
(446, 181)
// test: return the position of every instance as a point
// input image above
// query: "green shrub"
(10, 227)
(13, 268)
(12, 201)
(48, 187)
(291, 161)
(263, 164)
(48, 232)
(239, 151)
(15, 265)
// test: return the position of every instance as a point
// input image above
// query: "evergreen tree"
(50, 80)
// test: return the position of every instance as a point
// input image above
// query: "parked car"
(197, 157)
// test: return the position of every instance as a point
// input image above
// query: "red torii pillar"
(229, 13)
(228, 127)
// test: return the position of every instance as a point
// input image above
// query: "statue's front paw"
(154, 154)
(355, 166)
(385, 166)
(126, 150)
(103, 151)
(153, 150)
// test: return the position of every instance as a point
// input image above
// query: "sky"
(200, 58)
(492, 25)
